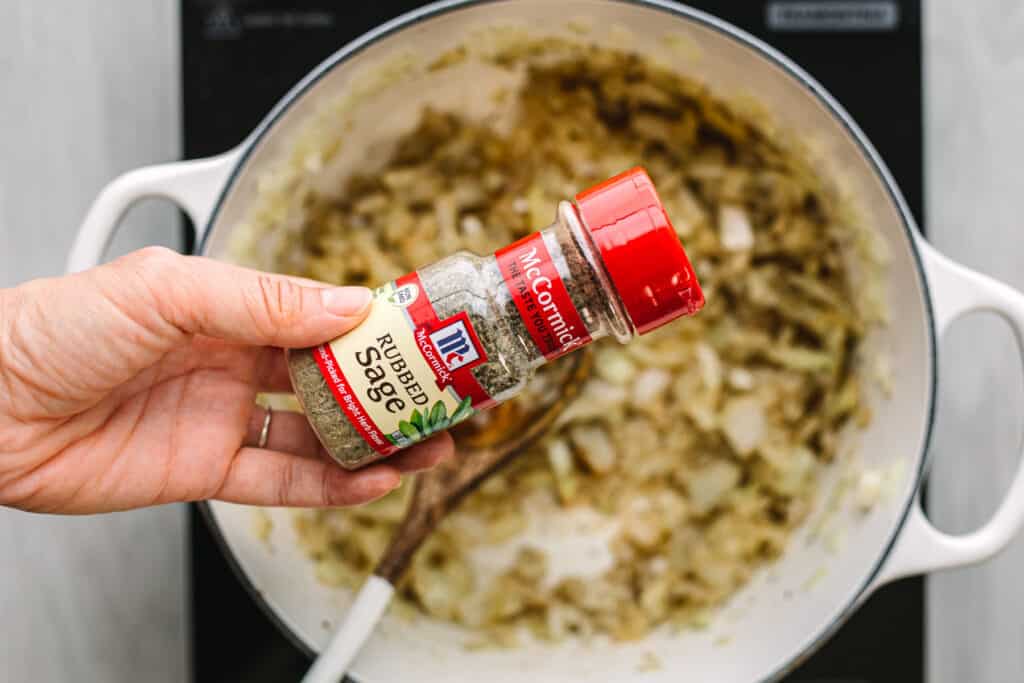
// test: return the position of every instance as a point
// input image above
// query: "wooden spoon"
(438, 492)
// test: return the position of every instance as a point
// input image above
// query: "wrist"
(7, 315)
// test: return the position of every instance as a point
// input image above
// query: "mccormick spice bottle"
(469, 331)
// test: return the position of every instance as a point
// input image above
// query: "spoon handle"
(367, 609)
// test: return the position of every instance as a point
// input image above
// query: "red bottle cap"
(640, 249)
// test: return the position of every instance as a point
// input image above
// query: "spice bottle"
(468, 332)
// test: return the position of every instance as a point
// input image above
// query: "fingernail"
(346, 301)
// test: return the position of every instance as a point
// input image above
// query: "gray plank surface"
(88, 89)
(975, 177)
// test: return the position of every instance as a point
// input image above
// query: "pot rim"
(745, 39)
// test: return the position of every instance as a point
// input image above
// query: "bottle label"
(540, 295)
(404, 374)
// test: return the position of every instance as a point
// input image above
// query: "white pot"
(785, 611)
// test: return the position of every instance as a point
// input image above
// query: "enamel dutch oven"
(786, 611)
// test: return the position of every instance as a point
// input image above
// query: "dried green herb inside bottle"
(469, 331)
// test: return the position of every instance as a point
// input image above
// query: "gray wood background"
(90, 89)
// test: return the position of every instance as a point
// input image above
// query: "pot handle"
(192, 185)
(920, 547)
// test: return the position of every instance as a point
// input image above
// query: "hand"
(133, 384)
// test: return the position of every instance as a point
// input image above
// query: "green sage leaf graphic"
(409, 430)
(464, 410)
(438, 413)
(417, 420)
(444, 424)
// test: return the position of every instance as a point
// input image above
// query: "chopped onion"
(595, 448)
(561, 462)
(869, 489)
(743, 423)
(710, 367)
(472, 225)
(649, 385)
(741, 379)
(734, 228)
(709, 484)
(615, 366)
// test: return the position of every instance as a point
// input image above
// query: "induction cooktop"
(240, 56)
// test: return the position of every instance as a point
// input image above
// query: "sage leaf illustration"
(409, 430)
(438, 413)
(464, 410)
(417, 421)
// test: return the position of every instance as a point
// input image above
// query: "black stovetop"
(240, 56)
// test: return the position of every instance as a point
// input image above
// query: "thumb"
(198, 295)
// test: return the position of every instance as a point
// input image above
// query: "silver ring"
(265, 432)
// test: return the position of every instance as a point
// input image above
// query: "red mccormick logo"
(452, 345)
(455, 344)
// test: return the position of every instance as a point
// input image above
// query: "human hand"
(133, 384)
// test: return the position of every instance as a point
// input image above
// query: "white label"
(871, 15)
